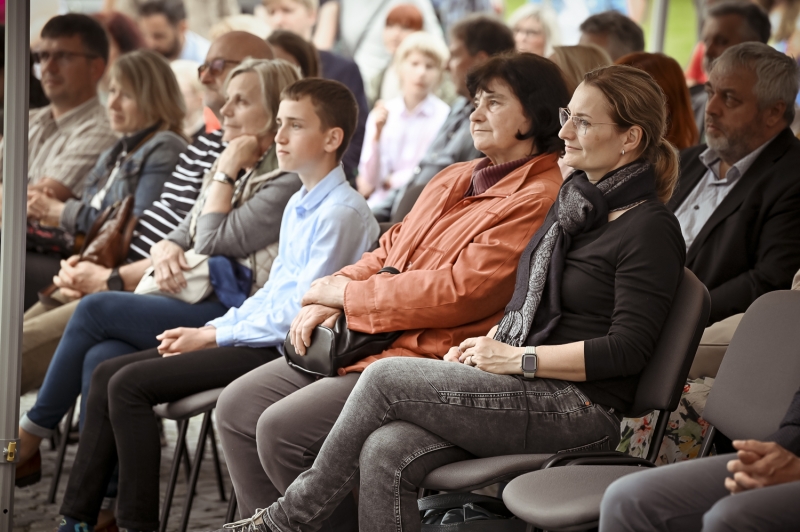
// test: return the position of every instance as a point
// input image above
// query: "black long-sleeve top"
(618, 286)
(788, 435)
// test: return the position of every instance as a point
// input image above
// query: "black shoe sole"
(28, 480)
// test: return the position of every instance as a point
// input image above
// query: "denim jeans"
(104, 326)
(407, 416)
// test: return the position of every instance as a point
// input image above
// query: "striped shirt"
(178, 195)
(66, 148)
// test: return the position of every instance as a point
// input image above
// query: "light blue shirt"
(322, 231)
(195, 48)
(704, 198)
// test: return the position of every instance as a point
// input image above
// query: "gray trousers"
(407, 416)
(691, 496)
(272, 422)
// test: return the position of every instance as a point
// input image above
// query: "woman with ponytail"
(593, 288)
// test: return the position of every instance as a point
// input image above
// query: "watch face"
(114, 283)
(529, 363)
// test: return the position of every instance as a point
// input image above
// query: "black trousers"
(40, 268)
(120, 425)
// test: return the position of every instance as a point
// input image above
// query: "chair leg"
(212, 440)
(180, 450)
(186, 462)
(63, 441)
(230, 516)
(198, 460)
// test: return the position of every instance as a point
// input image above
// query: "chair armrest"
(565, 458)
(622, 460)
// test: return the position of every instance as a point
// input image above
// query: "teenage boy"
(300, 17)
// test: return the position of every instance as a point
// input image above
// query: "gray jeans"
(691, 496)
(407, 416)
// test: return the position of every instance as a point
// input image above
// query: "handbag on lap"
(106, 243)
(338, 347)
(198, 282)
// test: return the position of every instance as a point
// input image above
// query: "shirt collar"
(711, 159)
(70, 116)
(425, 108)
(311, 200)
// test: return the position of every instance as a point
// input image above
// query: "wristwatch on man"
(530, 362)
(114, 281)
(222, 177)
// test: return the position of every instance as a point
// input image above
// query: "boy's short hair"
(311, 5)
(333, 103)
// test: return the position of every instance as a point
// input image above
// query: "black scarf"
(535, 307)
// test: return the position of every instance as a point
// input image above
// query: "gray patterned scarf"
(535, 307)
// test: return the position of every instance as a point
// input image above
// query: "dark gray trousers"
(407, 416)
(691, 496)
(272, 422)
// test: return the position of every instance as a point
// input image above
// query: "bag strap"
(448, 501)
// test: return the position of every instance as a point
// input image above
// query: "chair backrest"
(407, 202)
(662, 381)
(761, 369)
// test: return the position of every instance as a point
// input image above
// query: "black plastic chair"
(765, 351)
(182, 411)
(659, 389)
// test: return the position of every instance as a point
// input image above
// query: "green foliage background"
(681, 27)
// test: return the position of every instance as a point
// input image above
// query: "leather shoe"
(30, 471)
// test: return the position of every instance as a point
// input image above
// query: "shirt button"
(417, 170)
(409, 265)
(697, 207)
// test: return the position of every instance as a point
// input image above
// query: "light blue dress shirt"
(322, 231)
(195, 48)
(709, 192)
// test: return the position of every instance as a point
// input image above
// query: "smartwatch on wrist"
(222, 177)
(530, 362)
(114, 281)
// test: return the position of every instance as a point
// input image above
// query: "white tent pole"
(658, 25)
(12, 249)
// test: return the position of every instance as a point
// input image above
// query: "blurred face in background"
(290, 16)
(161, 36)
(123, 109)
(419, 75)
(529, 36)
(462, 62)
(720, 33)
(393, 35)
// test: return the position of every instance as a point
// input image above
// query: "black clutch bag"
(338, 347)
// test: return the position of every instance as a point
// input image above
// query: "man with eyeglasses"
(66, 137)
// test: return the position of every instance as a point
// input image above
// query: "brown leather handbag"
(109, 238)
(106, 243)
